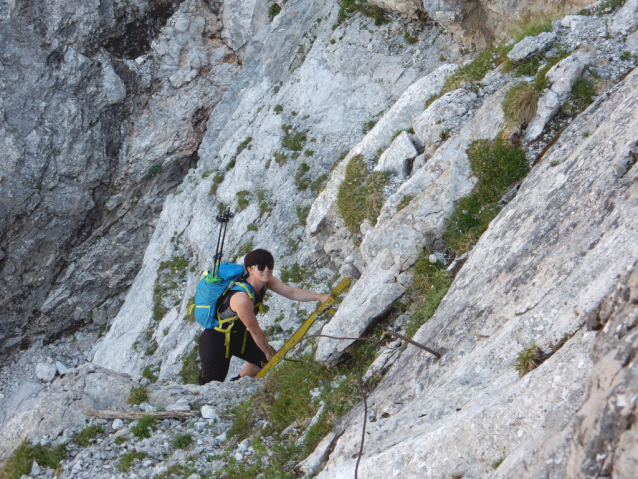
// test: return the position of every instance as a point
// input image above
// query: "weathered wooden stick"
(125, 414)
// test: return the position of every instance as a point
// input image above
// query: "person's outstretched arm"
(243, 306)
(296, 294)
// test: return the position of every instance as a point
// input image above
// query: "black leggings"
(212, 352)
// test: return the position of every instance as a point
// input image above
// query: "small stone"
(35, 469)
(200, 426)
(208, 412)
(146, 463)
(45, 372)
(62, 369)
(49, 360)
(433, 258)
(146, 407)
(117, 424)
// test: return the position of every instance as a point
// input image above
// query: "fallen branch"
(125, 414)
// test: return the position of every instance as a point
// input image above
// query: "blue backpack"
(211, 289)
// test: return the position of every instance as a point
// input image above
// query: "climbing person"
(244, 338)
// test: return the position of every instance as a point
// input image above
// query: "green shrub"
(498, 462)
(242, 200)
(207, 173)
(529, 359)
(144, 427)
(498, 167)
(21, 460)
(150, 373)
(85, 435)
(308, 153)
(278, 109)
(217, 180)
(318, 183)
(294, 141)
(409, 38)
(405, 201)
(520, 104)
(293, 274)
(347, 8)
(361, 194)
(243, 145)
(583, 93)
(429, 285)
(151, 348)
(367, 126)
(245, 249)
(273, 11)
(138, 395)
(301, 172)
(280, 158)
(252, 227)
(182, 441)
(153, 171)
(119, 440)
(231, 163)
(127, 459)
(302, 213)
(528, 67)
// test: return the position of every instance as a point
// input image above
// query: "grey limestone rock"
(397, 158)
(562, 77)
(45, 371)
(531, 45)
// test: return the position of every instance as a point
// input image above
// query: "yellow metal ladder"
(325, 307)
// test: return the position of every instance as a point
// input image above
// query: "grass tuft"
(498, 462)
(430, 283)
(529, 359)
(292, 140)
(405, 201)
(144, 427)
(361, 194)
(302, 213)
(182, 441)
(583, 93)
(273, 11)
(498, 167)
(127, 459)
(242, 200)
(138, 395)
(85, 435)
(520, 104)
(20, 462)
(150, 373)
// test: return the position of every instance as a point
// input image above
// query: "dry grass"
(520, 104)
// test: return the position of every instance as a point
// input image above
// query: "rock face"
(104, 111)
(320, 95)
(540, 271)
(392, 246)
(531, 45)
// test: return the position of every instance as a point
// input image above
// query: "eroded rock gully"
(103, 115)
(127, 129)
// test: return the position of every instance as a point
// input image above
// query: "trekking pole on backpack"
(223, 219)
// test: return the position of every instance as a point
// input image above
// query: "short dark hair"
(258, 256)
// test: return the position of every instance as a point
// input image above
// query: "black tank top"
(226, 312)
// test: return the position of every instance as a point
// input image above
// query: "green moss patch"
(361, 194)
